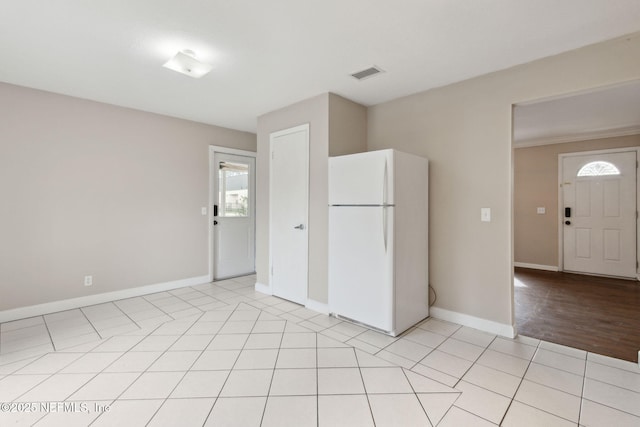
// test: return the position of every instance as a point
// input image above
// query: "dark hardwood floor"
(597, 314)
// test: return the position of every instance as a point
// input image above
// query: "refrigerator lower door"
(361, 265)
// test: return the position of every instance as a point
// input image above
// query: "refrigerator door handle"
(384, 228)
(385, 181)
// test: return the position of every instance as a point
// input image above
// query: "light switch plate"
(485, 214)
(541, 210)
(204, 211)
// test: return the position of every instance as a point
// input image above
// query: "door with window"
(599, 213)
(233, 215)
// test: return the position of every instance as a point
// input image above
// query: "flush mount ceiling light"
(185, 62)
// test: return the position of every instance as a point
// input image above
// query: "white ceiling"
(604, 112)
(271, 53)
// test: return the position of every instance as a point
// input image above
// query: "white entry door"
(599, 213)
(233, 215)
(289, 202)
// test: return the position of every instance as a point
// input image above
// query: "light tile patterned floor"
(220, 354)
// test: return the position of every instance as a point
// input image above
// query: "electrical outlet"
(88, 280)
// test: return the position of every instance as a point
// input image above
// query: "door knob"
(567, 222)
(299, 227)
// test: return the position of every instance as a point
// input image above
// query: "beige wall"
(347, 126)
(336, 125)
(465, 131)
(94, 189)
(536, 185)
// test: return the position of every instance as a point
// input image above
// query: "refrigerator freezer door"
(361, 265)
(361, 179)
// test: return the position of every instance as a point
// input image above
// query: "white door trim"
(305, 127)
(561, 157)
(212, 150)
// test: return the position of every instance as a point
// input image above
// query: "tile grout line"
(487, 347)
(414, 363)
(553, 350)
(485, 366)
(416, 395)
(187, 302)
(193, 364)
(467, 370)
(614, 367)
(612, 385)
(91, 323)
(183, 375)
(460, 379)
(127, 315)
(266, 401)
(475, 415)
(112, 401)
(36, 385)
(146, 371)
(153, 308)
(447, 337)
(550, 413)
(465, 373)
(49, 342)
(49, 332)
(611, 407)
(520, 385)
(160, 308)
(58, 372)
(365, 388)
(232, 366)
(21, 319)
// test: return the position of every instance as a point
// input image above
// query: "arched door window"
(598, 168)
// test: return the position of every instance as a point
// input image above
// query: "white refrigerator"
(378, 239)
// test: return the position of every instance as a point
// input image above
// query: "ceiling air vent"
(365, 74)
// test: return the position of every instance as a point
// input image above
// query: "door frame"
(213, 149)
(272, 136)
(560, 221)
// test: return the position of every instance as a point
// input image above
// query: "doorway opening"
(547, 237)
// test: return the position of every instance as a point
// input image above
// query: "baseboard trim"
(320, 307)
(263, 289)
(536, 266)
(73, 303)
(490, 326)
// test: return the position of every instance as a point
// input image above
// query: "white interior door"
(289, 202)
(234, 215)
(599, 213)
